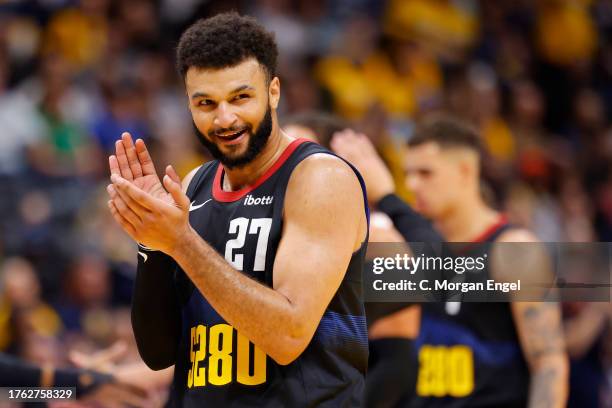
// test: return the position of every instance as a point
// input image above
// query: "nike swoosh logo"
(195, 207)
(144, 256)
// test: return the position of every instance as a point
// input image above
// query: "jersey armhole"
(197, 178)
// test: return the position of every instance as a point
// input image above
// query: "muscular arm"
(541, 335)
(155, 307)
(310, 262)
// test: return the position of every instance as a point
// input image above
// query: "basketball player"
(249, 275)
(470, 354)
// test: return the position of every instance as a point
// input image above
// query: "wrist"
(182, 242)
(379, 196)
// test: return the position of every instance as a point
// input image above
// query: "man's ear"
(468, 166)
(274, 92)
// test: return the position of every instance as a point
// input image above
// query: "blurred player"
(471, 354)
(254, 292)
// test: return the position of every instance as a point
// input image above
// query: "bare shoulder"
(520, 255)
(324, 174)
(324, 193)
(187, 179)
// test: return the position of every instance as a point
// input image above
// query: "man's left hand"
(149, 220)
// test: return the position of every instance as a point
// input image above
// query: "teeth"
(229, 134)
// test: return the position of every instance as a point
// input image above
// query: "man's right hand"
(360, 152)
(133, 162)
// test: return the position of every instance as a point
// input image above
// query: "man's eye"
(205, 102)
(241, 96)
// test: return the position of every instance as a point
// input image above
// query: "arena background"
(534, 76)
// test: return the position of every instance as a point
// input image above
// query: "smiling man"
(249, 275)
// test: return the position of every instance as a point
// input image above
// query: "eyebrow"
(240, 88)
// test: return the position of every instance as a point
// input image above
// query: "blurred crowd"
(534, 76)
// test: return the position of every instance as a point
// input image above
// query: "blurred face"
(91, 280)
(233, 110)
(436, 177)
(20, 282)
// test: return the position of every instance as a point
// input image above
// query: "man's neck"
(466, 220)
(238, 178)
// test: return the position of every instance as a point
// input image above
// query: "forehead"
(423, 154)
(224, 80)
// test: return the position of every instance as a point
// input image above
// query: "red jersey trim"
(501, 221)
(228, 196)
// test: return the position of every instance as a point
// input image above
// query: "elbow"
(284, 359)
(156, 363)
(286, 356)
(156, 358)
(291, 345)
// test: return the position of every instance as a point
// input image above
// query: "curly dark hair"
(226, 40)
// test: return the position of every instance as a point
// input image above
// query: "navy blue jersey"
(469, 353)
(218, 366)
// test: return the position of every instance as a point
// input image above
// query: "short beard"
(257, 141)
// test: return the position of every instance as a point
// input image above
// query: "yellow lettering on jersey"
(218, 363)
(199, 373)
(445, 371)
(220, 360)
(243, 369)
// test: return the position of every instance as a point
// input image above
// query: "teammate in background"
(391, 338)
(443, 171)
(249, 275)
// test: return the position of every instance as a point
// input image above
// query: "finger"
(175, 191)
(144, 157)
(124, 165)
(121, 197)
(126, 212)
(173, 175)
(79, 359)
(113, 164)
(337, 140)
(350, 136)
(142, 198)
(340, 144)
(109, 355)
(133, 216)
(365, 141)
(132, 156)
(127, 227)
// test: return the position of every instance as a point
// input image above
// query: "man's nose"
(225, 117)
(412, 182)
